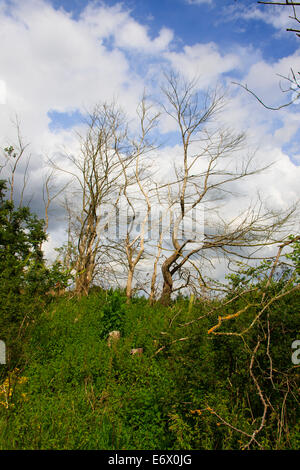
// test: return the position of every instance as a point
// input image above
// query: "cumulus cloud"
(53, 62)
(204, 61)
(116, 23)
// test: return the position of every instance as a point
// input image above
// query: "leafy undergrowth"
(188, 390)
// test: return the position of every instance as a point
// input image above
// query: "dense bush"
(195, 393)
(24, 276)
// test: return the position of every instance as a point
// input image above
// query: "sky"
(58, 58)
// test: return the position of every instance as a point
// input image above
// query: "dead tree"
(12, 157)
(141, 204)
(208, 166)
(107, 165)
(50, 193)
(96, 172)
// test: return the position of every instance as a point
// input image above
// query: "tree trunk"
(129, 285)
(165, 298)
(82, 286)
(84, 278)
(86, 258)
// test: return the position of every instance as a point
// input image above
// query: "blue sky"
(226, 23)
(59, 58)
(215, 20)
(203, 22)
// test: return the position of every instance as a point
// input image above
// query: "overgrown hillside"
(189, 389)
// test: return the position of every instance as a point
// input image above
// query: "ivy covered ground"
(189, 389)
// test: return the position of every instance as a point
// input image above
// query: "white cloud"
(204, 61)
(126, 32)
(2, 92)
(52, 61)
(279, 18)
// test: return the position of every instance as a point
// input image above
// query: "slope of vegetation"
(188, 390)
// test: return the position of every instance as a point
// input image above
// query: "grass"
(72, 391)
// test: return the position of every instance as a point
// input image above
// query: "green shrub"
(188, 390)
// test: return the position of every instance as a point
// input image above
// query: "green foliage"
(294, 256)
(82, 394)
(21, 267)
(24, 277)
(113, 311)
(194, 386)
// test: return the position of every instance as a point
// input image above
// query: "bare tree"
(12, 157)
(202, 177)
(50, 193)
(153, 289)
(107, 165)
(96, 172)
(138, 200)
